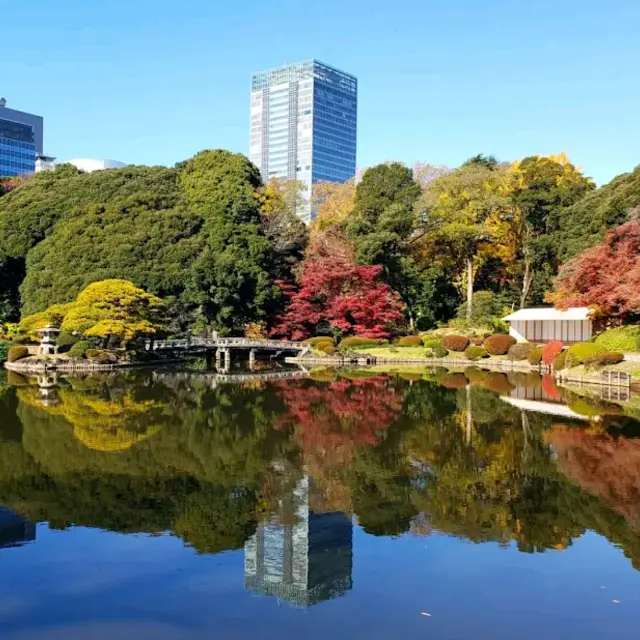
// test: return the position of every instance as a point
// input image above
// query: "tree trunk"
(469, 287)
(469, 415)
(527, 280)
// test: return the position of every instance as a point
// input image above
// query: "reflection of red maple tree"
(331, 422)
(602, 465)
(354, 412)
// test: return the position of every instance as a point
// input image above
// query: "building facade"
(303, 125)
(21, 138)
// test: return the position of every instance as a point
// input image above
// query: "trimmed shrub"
(624, 339)
(551, 350)
(432, 343)
(477, 341)
(454, 381)
(499, 383)
(436, 352)
(320, 340)
(79, 349)
(20, 338)
(535, 355)
(455, 343)
(580, 352)
(357, 341)
(605, 359)
(4, 351)
(17, 353)
(499, 344)
(329, 349)
(410, 341)
(475, 353)
(519, 351)
(67, 340)
(100, 356)
(560, 361)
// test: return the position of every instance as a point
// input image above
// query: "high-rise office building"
(303, 125)
(20, 141)
(305, 561)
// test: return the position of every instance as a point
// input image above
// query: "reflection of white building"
(88, 165)
(305, 562)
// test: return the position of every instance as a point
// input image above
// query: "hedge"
(499, 344)
(357, 341)
(410, 341)
(455, 343)
(625, 339)
(432, 343)
(519, 351)
(580, 352)
(17, 353)
(551, 350)
(535, 355)
(475, 353)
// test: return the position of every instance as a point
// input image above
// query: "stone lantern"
(47, 340)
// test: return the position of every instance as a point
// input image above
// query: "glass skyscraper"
(303, 125)
(20, 141)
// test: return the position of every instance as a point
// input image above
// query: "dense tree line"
(226, 250)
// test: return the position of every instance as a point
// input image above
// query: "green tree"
(585, 223)
(543, 188)
(382, 222)
(231, 284)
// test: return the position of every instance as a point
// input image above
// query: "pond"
(190, 505)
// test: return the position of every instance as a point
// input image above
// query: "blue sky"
(155, 81)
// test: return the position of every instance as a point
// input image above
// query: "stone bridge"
(224, 346)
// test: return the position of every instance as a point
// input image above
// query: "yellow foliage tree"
(54, 315)
(333, 202)
(115, 308)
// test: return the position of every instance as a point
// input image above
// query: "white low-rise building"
(88, 164)
(544, 324)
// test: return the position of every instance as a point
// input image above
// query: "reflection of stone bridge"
(212, 379)
(224, 346)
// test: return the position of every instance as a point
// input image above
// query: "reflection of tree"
(208, 463)
(332, 423)
(602, 465)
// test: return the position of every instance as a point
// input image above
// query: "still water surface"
(355, 505)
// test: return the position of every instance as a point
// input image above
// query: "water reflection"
(280, 465)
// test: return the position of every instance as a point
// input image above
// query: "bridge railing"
(212, 343)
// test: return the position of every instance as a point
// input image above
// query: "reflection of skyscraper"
(305, 562)
(14, 529)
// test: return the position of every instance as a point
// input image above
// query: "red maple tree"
(605, 277)
(345, 296)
